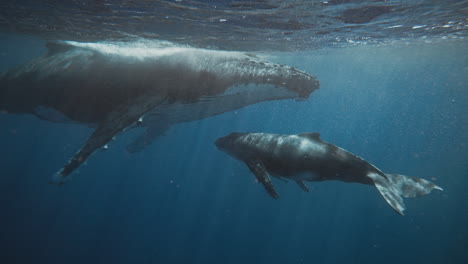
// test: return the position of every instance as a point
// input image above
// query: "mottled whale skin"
(305, 157)
(114, 86)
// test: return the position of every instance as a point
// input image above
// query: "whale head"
(227, 142)
(240, 69)
(230, 145)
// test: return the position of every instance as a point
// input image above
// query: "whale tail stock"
(394, 186)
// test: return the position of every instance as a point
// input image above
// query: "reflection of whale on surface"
(305, 157)
(115, 85)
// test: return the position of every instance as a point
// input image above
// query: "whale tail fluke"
(395, 185)
(409, 186)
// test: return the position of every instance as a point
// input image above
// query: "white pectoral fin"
(116, 121)
(388, 191)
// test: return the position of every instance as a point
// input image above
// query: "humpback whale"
(114, 86)
(306, 157)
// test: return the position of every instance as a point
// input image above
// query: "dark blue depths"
(403, 108)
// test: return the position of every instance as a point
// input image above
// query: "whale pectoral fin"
(302, 186)
(115, 122)
(262, 175)
(388, 191)
(151, 133)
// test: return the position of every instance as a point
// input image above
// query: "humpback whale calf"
(306, 157)
(114, 86)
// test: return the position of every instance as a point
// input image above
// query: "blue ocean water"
(401, 106)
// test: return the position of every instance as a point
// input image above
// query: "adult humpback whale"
(305, 157)
(115, 85)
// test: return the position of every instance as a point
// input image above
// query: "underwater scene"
(233, 131)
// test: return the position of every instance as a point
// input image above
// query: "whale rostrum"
(306, 157)
(114, 86)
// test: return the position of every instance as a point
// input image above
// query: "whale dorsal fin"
(314, 135)
(54, 47)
